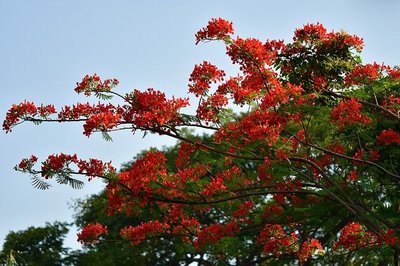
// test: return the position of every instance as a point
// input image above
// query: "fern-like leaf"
(39, 183)
(103, 96)
(66, 180)
(106, 136)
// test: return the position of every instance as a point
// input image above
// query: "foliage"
(306, 173)
(35, 246)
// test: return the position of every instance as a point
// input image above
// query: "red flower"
(217, 28)
(94, 84)
(94, 167)
(102, 121)
(27, 163)
(354, 236)
(251, 54)
(388, 136)
(353, 176)
(202, 76)
(348, 112)
(243, 209)
(25, 110)
(137, 234)
(150, 108)
(308, 248)
(310, 32)
(361, 74)
(276, 241)
(215, 232)
(56, 163)
(91, 232)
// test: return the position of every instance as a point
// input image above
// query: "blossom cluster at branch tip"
(58, 163)
(217, 28)
(27, 164)
(25, 110)
(93, 83)
(315, 33)
(91, 233)
(252, 56)
(202, 76)
(151, 107)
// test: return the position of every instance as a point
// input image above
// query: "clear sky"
(47, 46)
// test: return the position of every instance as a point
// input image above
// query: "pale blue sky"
(47, 46)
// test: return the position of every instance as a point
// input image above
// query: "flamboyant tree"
(301, 162)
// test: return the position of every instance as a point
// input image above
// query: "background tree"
(36, 246)
(302, 165)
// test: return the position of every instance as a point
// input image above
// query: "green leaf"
(103, 96)
(106, 136)
(39, 183)
(74, 183)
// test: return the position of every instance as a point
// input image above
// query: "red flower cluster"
(309, 248)
(215, 186)
(56, 163)
(94, 84)
(392, 102)
(310, 32)
(352, 176)
(210, 107)
(250, 54)
(354, 236)
(214, 233)
(144, 171)
(348, 112)
(94, 167)
(314, 33)
(243, 210)
(217, 28)
(258, 125)
(388, 136)
(202, 76)
(102, 121)
(233, 86)
(186, 227)
(26, 164)
(190, 174)
(151, 108)
(276, 241)
(91, 233)
(362, 74)
(25, 110)
(85, 110)
(279, 94)
(136, 234)
(185, 152)
(140, 180)
(391, 237)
